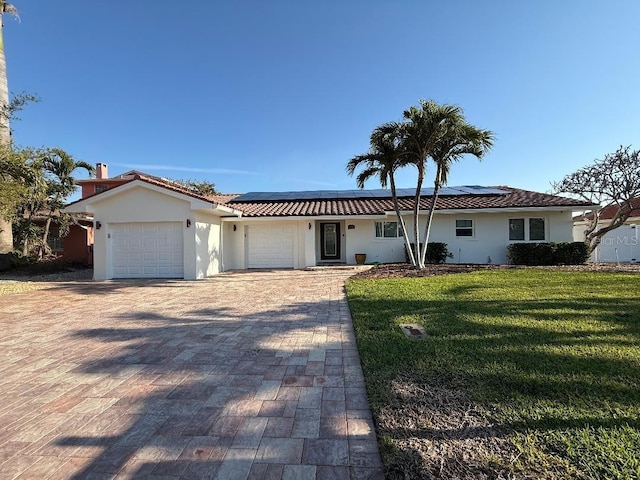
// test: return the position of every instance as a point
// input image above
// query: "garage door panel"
(270, 246)
(147, 250)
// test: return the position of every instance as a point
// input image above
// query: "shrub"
(436, 252)
(561, 253)
(572, 253)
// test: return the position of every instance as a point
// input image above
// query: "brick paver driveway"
(245, 375)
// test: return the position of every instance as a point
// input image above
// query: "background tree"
(384, 157)
(58, 167)
(611, 181)
(201, 187)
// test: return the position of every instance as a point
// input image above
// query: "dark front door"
(330, 241)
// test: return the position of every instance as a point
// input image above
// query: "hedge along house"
(146, 227)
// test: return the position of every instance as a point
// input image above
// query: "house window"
(386, 229)
(536, 229)
(532, 229)
(516, 229)
(464, 228)
(56, 244)
(100, 188)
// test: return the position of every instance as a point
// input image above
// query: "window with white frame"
(387, 230)
(464, 228)
(527, 229)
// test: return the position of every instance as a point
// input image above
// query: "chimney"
(101, 170)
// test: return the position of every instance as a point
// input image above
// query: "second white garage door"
(147, 250)
(270, 246)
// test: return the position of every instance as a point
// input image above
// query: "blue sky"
(279, 95)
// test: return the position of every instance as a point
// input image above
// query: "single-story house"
(150, 227)
(619, 245)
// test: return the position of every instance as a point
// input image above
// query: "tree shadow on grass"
(576, 359)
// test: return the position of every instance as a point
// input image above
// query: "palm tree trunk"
(45, 235)
(416, 221)
(6, 232)
(405, 234)
(432, 209)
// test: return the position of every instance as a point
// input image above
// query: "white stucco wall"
(234, 242)
(490, 240)
(619, 245)
(140, 203)
(208, 245)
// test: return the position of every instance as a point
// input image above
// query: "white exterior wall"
(142, 204)
(208, 245)
(491, 234)
(619, 245)
(489, 243)
(362, 239)
(490, 240)
(234, 242)
(139, 205)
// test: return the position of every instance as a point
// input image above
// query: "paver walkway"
(245, 375)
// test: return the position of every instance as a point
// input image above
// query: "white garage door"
(147, 250)
(270, 246)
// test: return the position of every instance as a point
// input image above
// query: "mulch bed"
(405, 270)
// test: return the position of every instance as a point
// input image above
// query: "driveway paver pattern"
(246, 375)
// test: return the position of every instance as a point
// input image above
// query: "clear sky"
(279, 95)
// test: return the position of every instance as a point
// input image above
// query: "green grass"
(554, 356)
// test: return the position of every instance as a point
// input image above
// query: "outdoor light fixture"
(234, 227)
(188, 222)
(309, 225)
(98, 225)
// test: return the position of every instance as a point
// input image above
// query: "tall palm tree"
(422, 130)
(458, 138)
(384, 157)
(60, 167)
(6, 232)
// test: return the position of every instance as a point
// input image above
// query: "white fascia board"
(308, 218)
(218, 210)
(79, 207)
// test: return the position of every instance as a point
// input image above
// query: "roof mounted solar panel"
(373, 193)
(480, 190)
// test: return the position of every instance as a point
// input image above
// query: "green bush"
(560, 253)
(436, 252)
(572, 253)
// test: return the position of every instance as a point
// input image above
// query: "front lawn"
(523, 373)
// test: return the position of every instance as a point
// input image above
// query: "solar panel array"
(353, 194)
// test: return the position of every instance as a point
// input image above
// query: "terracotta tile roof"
(609, 211)
(516, 198)
(217, 199)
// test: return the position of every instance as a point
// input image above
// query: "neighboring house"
(150, 227)
(619, 245)
(76, 245)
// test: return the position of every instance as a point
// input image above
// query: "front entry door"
(330, 241)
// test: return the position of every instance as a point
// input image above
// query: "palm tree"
(458, 138)
(422, 130)
(384, 157)
(60, 167)
(6, 233)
